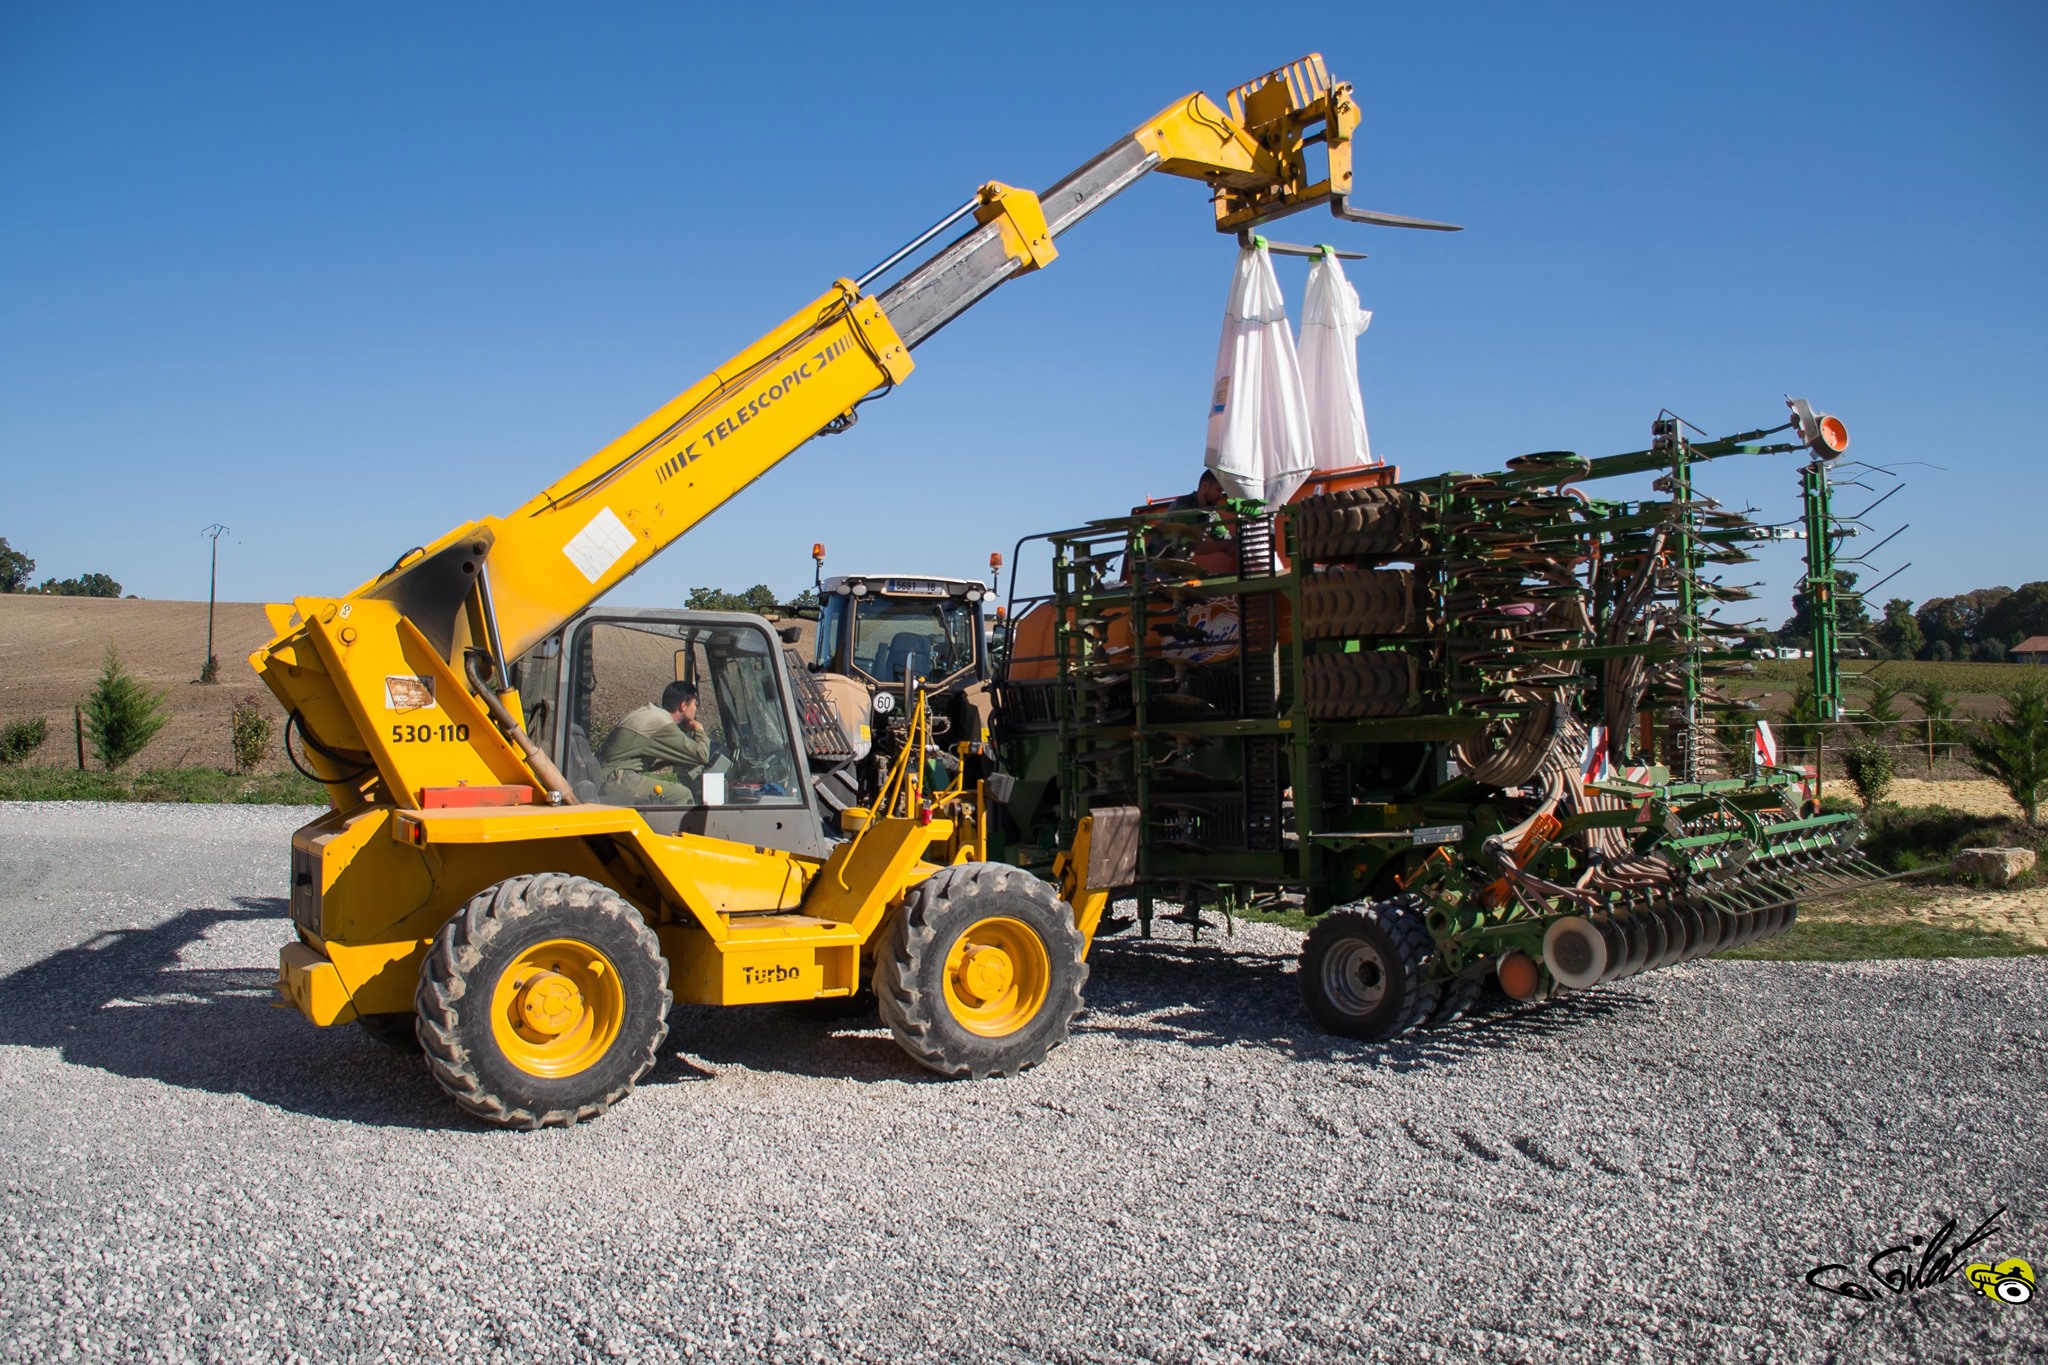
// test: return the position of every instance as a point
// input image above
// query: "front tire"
(980, 974)
(1365, 971)
(542, 1002)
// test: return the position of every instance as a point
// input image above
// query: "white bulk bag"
(1258, 415)
(1331, 323)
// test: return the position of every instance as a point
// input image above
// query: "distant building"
(2033, 650)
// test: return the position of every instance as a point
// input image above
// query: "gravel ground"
(1643, 1173)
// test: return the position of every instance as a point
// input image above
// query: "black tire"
(395, 1031)
(1364, 970)
(1454, 999)
(911, 969)
(476, 948)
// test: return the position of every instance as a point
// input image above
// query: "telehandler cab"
(475, 882)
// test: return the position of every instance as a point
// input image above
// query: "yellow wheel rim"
(997, 976)
(557, 1008)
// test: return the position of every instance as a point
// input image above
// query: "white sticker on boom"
(407, 692)
(598, 546)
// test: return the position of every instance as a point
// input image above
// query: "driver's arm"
(686, 751)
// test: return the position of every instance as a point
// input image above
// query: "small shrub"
(251, 731)
(1870, 765)
(209, 672)
(21, 738)
(1938, 704)
(1881, 710)
(1799, 723)
(121, 714)
(2013, 750)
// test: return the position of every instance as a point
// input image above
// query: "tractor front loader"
(507, 880)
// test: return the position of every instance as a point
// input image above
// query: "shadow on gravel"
(1212, 995)
(122, 1002)
(773, 1038)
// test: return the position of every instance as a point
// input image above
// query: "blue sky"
(341, 277)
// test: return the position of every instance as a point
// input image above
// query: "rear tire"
(980, 973)
(542, 1002)
(1365, 970)
(1454, 999)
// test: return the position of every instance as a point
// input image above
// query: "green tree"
(15, 567)
(1938, 704)
(1899, 632)
(1852, 618)
(759, 599)
(1799, 723)
(2017, 616)
(121, 714)
(1881, 710)
(2013, 750)
(86, 585)
(1954, 621)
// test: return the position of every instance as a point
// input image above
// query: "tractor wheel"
(1454, 999)
(980, 973)
(543, 1001)
(1364, 971)
(393, 1030)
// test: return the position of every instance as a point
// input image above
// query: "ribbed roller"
(1358, 521)
(1350, 686)
(1347, 603)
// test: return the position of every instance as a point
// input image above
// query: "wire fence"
(1920, 747)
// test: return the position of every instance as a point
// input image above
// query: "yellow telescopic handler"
(504, 878)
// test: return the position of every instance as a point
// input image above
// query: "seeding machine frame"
(1479, 718)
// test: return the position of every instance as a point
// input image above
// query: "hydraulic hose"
(559, 791)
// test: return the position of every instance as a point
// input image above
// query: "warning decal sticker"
(598, 546)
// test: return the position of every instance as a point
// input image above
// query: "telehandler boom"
(529, 925)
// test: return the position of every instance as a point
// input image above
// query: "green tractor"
(881, 638)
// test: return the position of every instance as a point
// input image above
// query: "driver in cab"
(656, 755)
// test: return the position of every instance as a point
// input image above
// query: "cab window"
(924, 638)
(832, 631)
(624, 749)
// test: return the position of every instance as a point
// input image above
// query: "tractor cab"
(879, 637)
(886, 629)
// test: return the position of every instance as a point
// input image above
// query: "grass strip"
(207, 785)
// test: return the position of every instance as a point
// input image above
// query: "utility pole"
(211, 672)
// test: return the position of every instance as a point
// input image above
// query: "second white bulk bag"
(1258, 415)
(1331, 323)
